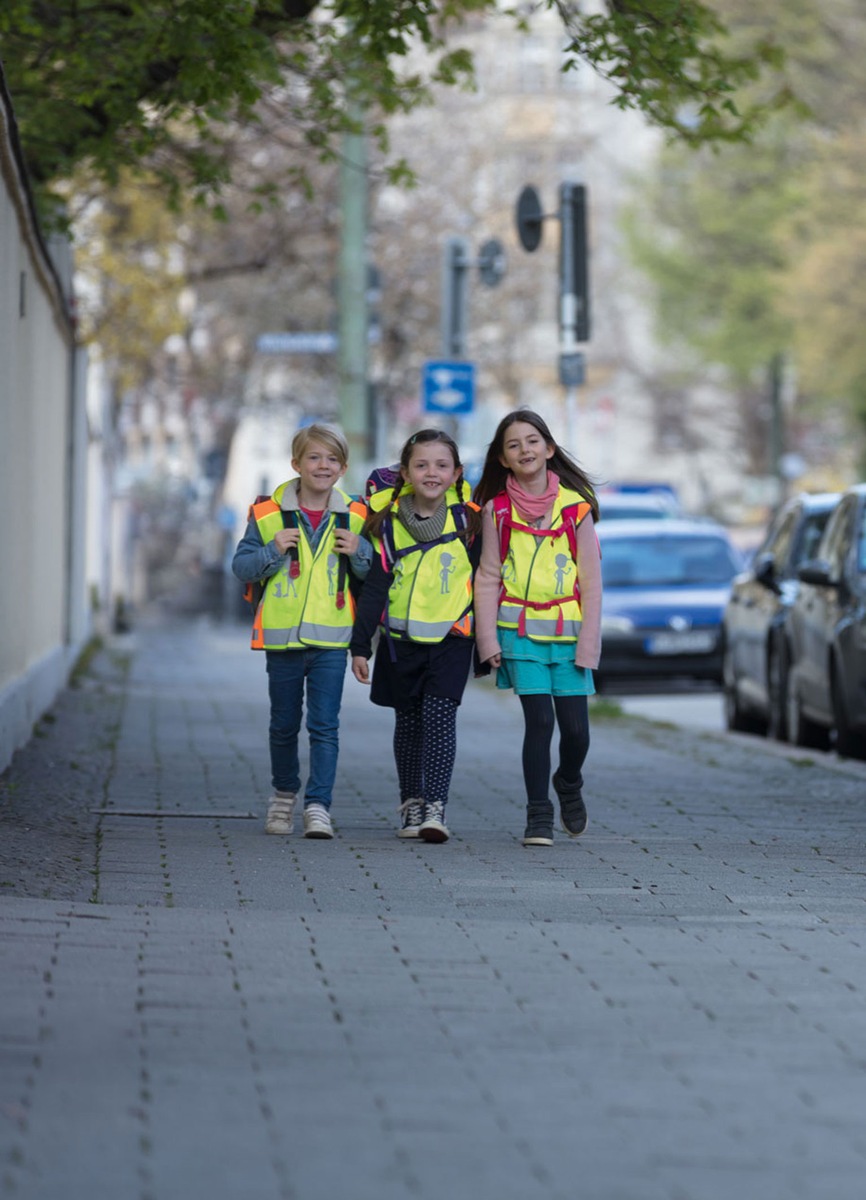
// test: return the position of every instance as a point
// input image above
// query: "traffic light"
(574, 260)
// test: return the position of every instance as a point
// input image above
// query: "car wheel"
(801, 730)
(849, 743)
(777, 693)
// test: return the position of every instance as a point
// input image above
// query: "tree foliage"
(711, 235)
(116, 84)
(131, 273)
(673, 61)
(758, 250)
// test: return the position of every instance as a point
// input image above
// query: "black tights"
(572, 716)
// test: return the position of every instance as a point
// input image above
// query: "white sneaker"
(433, 827)
(317, 822)
(411, 814)
(281, 815)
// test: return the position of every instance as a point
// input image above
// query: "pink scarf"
(532, 508)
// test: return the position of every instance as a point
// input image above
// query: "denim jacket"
(254, 560)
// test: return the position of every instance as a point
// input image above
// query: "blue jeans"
(323, 672)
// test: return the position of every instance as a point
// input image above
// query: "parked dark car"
(754, 615)
(665, 586)
(824, 667)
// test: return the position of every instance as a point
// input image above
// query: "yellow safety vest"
(431, 595)
(302, 604)
(540, 594)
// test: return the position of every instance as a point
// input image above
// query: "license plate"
(689, 641)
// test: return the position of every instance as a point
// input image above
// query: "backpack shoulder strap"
(502, 519)
(290, 521)
(572, 515)
(342, 522)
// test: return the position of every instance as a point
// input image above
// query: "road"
(686, 709)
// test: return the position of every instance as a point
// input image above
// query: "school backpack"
(381, 478)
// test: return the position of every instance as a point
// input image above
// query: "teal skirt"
(541, 668)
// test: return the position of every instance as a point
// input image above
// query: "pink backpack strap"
(502, 519)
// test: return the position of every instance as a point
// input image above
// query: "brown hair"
(376, 520)
(495, 474)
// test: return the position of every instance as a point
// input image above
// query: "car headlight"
(613, 624)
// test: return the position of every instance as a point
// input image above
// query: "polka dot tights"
(425, 743)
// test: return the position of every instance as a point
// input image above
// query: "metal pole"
(777, 427)
(567, 303)
(352, 352)
(455, 267)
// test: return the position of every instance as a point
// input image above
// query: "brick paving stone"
(671, 1008)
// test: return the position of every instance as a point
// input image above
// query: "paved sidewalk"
(673, 1006)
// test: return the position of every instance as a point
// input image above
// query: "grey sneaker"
(317, 822)
(411, 815)
(433, 827)
(281, 815)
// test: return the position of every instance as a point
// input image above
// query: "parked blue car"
(666, 584)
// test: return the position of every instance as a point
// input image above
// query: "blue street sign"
(448, 387)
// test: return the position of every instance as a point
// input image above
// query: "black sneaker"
(433, 827)
(539, 826)
(572, 810)
(411, 816)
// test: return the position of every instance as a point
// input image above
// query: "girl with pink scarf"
(538, 607)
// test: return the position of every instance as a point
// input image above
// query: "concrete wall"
(43, 609)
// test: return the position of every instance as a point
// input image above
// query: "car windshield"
(666, 561)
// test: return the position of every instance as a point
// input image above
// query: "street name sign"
(297, 343)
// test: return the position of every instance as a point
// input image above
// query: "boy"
(298, 544)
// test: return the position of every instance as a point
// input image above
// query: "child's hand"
(346, 542)
(284, 539)
(495, 660)
(360, 668)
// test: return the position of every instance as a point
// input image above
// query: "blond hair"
(327, 435)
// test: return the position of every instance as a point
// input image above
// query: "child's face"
(431, 471)
(318, 468)
(524, 451)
